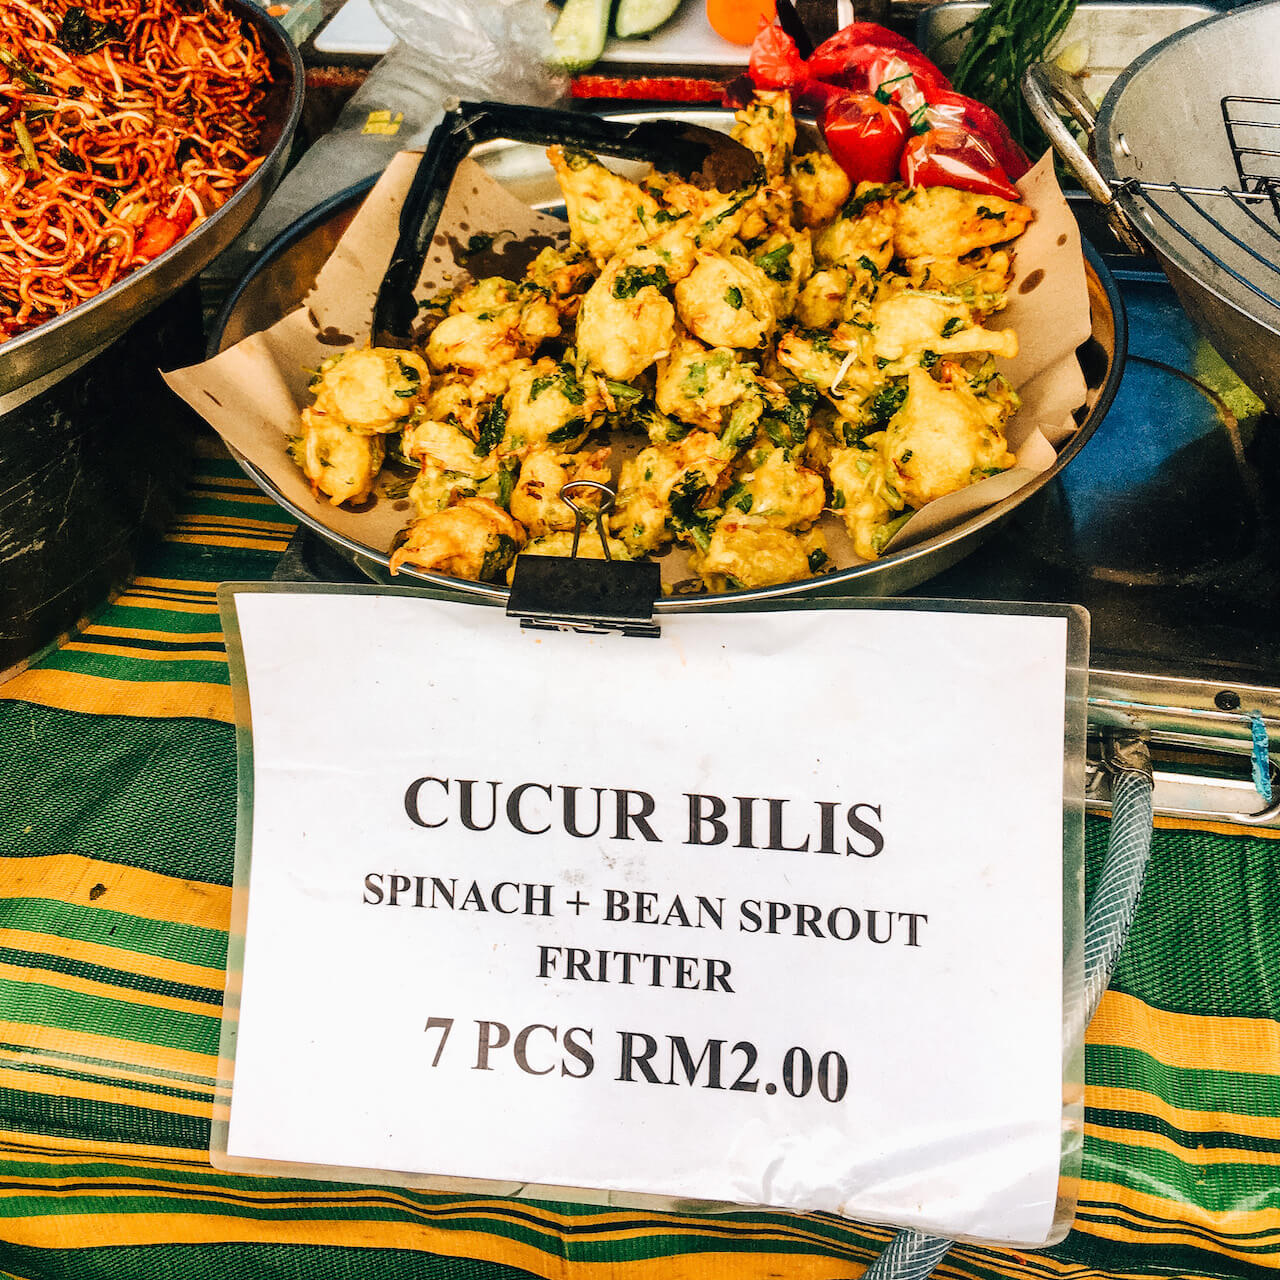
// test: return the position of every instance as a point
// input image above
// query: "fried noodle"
(123, 123)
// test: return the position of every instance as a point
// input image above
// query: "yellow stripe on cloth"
(74, 1231)
(73, 877)
(51, 980)
(140, 1075)
(214, 489)
(1151, 1223)
(172, 595)
(1188, 1040)
(209, 538)
(214, 651)
(1142, 1102)
(21, 1078)
(52, 1042)
(141, 963)
(212, 639)
(102, 696)
(961, 1261)
(1199, 1155)
(1219, 828)
(72, 1150)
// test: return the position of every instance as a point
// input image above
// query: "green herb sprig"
(1003, 41)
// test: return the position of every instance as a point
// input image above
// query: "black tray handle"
(702, 154)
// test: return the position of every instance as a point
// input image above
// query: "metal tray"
(281, 277)
(92, 324)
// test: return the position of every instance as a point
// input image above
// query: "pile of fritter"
(734, 363)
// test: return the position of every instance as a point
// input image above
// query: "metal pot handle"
(1044, 86)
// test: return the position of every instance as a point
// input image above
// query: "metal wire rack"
(1247, 217)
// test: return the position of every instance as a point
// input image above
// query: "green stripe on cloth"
(1158, 1173)
(163, 938)
(1190, 1139)
(127, 616)
(1205, 934)
(1245, 1094)
(60, 1078)
(96, 1122)
(34, 962)
(270, 1262)
(97, 774)
(48, 1005)
(140, 668)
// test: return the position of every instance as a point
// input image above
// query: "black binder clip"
(573, 593)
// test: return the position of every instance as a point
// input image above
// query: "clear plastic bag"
(486, 50)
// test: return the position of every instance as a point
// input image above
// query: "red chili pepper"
(981, 120)
(946, 140)
(864, 57)
(863, 33)
(965, 145)
(947, 156)
(775, 60)
(866, 65)
(160, 233)
(866, 136)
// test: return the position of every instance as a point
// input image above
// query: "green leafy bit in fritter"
(688, 516)
(499, 559)
(776, 264)
(493, 423)
(630, 280)
(786, 418)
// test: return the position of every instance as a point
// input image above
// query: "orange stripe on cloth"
(109, 957)
(73, 877)
(1142, 1102)
(213, 653)
(73, 1231)
(105, 1073)
(102, 990)
(59, 1042)
(20, 1077)
(1218, 828)
(66, 1148)
(208, 538)
(138, 597)
(1153, 1224)
(1193, 1041)
(1198, 1156)
(102, 696)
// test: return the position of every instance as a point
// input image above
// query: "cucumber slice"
(639, 17)
(580, 33)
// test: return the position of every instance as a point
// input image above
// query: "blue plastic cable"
(912, 1255)
(1261, 755)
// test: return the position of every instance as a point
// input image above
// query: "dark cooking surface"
(1164, 528)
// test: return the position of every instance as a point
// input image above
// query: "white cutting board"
(686, 39)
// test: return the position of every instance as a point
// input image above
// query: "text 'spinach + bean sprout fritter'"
(123, 123)
(790, 348)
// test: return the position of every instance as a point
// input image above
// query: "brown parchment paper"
(251, 394)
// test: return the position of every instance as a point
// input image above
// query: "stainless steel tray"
(281, 277)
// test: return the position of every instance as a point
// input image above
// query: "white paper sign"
(766, 911)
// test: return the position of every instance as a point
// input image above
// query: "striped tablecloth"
(117, 830)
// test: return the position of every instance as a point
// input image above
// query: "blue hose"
(912, 1255)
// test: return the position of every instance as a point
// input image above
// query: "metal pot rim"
(1171, 247)
(97, 320)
